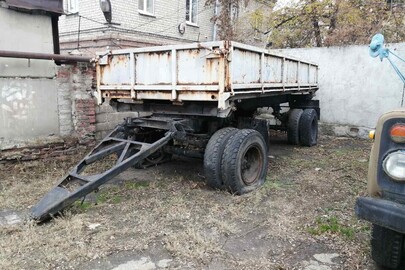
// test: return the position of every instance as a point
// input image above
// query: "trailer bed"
(216, 72)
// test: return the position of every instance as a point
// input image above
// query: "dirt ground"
(166, 217)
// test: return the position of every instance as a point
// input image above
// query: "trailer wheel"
(308, 131)
(244, 163)
(213, 156)
(294, 126)
(387, 247)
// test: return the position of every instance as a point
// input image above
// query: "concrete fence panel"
(355, 89)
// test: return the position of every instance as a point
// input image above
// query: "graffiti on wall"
(16, 101)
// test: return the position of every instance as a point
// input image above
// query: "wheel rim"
(251, 165)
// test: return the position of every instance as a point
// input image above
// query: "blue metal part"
(377, 49)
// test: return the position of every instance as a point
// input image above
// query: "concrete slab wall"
(28, 96)
(355, 89)
(25, 32)
(44, 117)
(28, 108)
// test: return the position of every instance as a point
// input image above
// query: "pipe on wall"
(45, 56)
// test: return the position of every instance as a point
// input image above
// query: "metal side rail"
(128, 152)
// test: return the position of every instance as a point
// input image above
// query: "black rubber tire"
(293, 126)
(213, 157)
(244, 162)
(387, 247)
(308, 131)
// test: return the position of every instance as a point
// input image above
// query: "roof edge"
(52, 6)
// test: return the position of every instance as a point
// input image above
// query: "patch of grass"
(195, 226)
(342, 152)
(137, 185)
(82, 206)
(276, 183)
(109, 196)
(298, 162)
(331, 225)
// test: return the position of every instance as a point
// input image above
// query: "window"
(191, 11)
(146, 6)
(72, 6)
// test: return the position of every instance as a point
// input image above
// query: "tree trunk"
(317, 32)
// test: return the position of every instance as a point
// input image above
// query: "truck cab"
(384, 206)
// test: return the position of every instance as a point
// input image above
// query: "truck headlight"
(394, 165)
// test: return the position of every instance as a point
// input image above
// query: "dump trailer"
(201, 101)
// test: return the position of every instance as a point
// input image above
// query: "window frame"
(69, 8)
(144, 10)
(190, 9)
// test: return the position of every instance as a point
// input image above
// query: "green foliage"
(331, 225)
(109, 196)
(331, 22)
(82, 206)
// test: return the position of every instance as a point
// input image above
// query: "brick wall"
(76, 105)
(108, 117)
(76, 112)
(81, 121)
(131, 28)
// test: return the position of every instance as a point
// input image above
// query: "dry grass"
(307, 190)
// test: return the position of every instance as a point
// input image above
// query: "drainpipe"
(45, 56)
(214, 31)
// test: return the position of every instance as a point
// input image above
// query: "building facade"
(134, 23)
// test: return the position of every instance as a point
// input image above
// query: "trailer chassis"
(129, 150)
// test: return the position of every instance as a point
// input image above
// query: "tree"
(223, 19)
(335, 22)
(306, 23)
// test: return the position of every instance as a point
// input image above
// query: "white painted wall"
(28, 91)
(355, 89)
(25, 32)
(28, 108)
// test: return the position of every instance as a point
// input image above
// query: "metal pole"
(45, 56)
(78, 33)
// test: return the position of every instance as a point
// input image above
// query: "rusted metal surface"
(45, 56)
(54, 6)
(216, 71)
(127, 151)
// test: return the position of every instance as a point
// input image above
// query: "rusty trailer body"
(217, 73)
(202, 100)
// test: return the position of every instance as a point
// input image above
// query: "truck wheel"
(293, 126)
(386, 247)
(244, 163)
(308, 128)
(213, 156)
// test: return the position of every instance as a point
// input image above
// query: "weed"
(277, 184)
(331, 225)
(82, 206)
(109, 196)
(137, 185)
